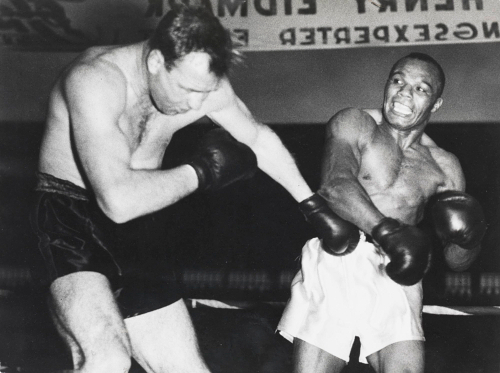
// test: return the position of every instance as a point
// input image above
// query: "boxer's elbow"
(115, 205)
(334, 192)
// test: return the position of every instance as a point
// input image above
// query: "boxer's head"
(189, 53)
(426, 59)
(186, 29)
(413, 91)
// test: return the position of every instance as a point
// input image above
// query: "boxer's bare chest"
(148, 133)
(398, 181)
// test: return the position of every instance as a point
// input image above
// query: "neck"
(140, 73)
(405, 138)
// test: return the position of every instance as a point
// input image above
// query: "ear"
(155, 61)
(437, 105)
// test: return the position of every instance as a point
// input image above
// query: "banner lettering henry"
(255, 24)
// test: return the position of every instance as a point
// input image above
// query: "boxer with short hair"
(380, 172)
(111, 117)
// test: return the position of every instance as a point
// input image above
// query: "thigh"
(164, 340)
(405, 356)
(309, 358)
(88, 318)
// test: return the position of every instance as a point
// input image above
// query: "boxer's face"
(411, 94)
(185, 86)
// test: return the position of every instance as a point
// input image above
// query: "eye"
(422, 89)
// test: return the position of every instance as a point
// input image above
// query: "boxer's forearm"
(459, 259)
(141, 192)
(351, 202)
(276, 161)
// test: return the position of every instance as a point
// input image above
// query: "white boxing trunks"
(336, 298)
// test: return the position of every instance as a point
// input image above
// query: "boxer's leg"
(89, 321)
(76, 353)
(309, 358)
(399, 357)
(164, 340)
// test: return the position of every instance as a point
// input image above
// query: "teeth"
(400, 108)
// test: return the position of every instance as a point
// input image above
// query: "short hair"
(425, 58)
(185, 29)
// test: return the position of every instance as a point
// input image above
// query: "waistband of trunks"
(52, 184)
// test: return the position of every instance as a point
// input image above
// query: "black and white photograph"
(250, 186)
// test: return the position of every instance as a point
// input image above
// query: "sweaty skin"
(111, 117)
(125, 107)
(391, 180)
(379, 163)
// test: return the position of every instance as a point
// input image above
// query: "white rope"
(463, 310)
(429, 309)
(233, 305)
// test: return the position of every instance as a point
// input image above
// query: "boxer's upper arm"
(96, 99)
(232, 114)
(343, 146)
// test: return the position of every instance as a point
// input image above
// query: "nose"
(405, 90)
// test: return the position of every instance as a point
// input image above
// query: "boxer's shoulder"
(440, 155)
(376, 115)
(96, 82)
(97, 66)
(353, 123)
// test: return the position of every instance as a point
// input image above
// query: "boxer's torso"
(146, 130)
(399, 180)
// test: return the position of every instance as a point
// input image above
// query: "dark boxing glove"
(221, 160)
(408, 247)
(339, 236)
(458, 218)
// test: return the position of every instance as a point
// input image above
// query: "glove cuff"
(384, 227)
(312, 204)
(201, 172)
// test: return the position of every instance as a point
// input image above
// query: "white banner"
(255, 24)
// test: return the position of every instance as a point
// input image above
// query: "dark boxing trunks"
(74, 235)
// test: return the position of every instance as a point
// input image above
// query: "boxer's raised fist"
(339, 237)
(221, 160)
(408, 248)
(458, 218)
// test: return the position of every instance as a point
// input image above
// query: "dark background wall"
(300, 87)
(256, 224)
(252, 225)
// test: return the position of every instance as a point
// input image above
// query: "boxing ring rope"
(429, 309)
(456, 285)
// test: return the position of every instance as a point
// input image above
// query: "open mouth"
(401, 109)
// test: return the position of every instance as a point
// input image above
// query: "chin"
(171, 111)
(399, 124)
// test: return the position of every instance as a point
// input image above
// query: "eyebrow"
(192, 90)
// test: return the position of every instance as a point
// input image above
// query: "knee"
(110, 362)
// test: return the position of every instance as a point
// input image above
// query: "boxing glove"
(408, 248)
(339, 237)
(221, 160)
(458, 218)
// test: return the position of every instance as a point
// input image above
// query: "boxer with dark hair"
(111, 117)
(380, 173)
